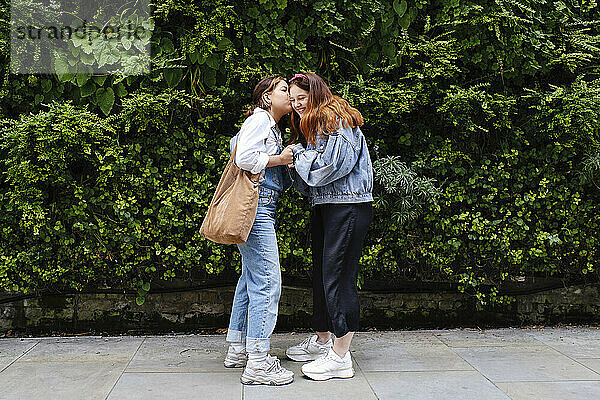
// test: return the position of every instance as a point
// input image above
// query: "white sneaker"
(269, 372)
(309, 349)
(235, 359)
(329, 366)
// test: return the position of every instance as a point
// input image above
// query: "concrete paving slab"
(65, 380)
(180, 386)
(13, 348)
(577, 390)
(404, 352)
(463, 385)
(548, 363)
(573, 342)
(520, 363)
(83, 349)
(69, 368)
(488, 337)
(182, 353)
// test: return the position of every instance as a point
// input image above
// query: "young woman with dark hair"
(256, 300)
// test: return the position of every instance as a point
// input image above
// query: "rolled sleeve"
(263, 160)
(251, 152)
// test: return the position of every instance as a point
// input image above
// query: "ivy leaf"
(126, 42)
(46, 85)
(389, 50)
(81, 79)
(213, 61)
(106, 99)
(148, 24)
(62, 69)
(121, 91)
(224, 44)
(167, 45)
(210, 77)
(404, 21)
(108, 55)
(87, 59)
(400, 7)
(39, 98)
(82, 43)
(87, 89)
(201, 58)
(74, 50)
(172, 76)
(99, 79)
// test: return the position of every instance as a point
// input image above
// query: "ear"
(267, 98)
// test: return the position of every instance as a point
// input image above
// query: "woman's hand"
(287, 155)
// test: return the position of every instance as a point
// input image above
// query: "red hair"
(325, 112)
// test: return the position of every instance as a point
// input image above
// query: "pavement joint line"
(421, 370)
(555, 381)
(433, 335)
(572, 358)
(180, 372)
(18, 358)
(478, 371)
(499, 345)
(365, 376)
(540, 343)
(123, 371)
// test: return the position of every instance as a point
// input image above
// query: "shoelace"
(275, 364)
(306, 342)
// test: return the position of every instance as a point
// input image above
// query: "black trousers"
(338, 232)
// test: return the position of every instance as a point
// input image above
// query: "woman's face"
(280, 101)
(299, 99)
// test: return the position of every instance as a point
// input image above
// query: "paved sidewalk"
(545, 363)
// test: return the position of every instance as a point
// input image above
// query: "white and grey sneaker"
(329, 366)
(269, 372)
(235, 359)
(309, 349)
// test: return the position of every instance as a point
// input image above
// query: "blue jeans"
(256, 299)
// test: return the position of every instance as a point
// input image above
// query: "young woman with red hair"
(334, 170)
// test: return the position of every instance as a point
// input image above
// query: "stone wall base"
(208, 309)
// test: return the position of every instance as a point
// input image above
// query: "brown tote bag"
(232, 209)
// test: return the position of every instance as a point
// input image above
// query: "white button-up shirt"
(258, 138)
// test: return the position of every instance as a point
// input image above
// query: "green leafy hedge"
(490, 111)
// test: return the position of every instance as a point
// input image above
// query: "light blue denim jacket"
(337, 169)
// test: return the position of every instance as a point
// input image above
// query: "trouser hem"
(234, 336)
(258, 345)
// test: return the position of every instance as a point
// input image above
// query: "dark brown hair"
(322, 110)
(266, 85)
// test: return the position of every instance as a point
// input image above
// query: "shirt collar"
(271, 119)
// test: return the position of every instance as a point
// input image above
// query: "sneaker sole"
(235, 365)
(343, 374)
(304, 357)
(249, 381)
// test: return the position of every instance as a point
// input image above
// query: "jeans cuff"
(260, 345)
(235, 336)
